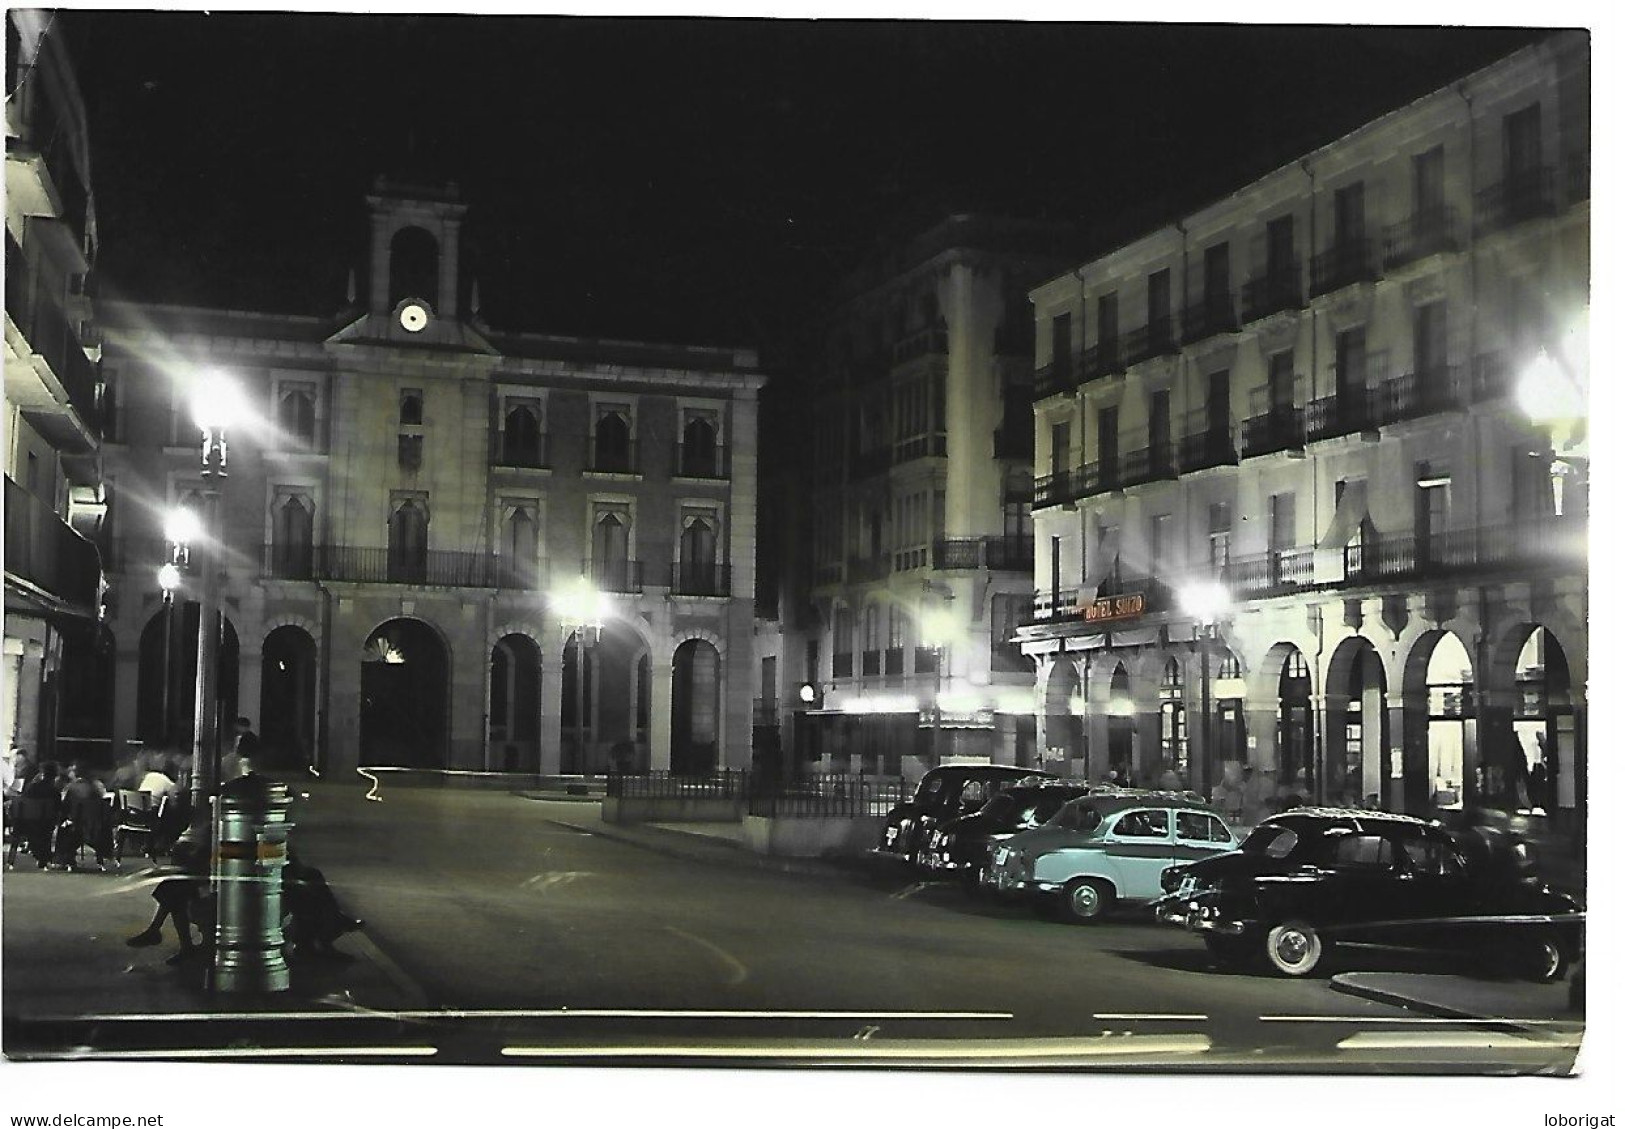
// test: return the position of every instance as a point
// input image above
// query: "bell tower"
(415, 233)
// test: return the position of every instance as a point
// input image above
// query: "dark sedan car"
(945, 792)
(960, 846)
(1310, 878)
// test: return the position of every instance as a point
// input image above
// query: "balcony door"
(697, 568)
(291, 539)
(409, 542)
(609, 552)
(1106, 445)
(1427, 178)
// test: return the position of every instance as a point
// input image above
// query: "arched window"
(409, 543)
(521, 437)
(291, 540)
(611, 569)
(519, 547)
(296, 414)
(414, 265)
(699, 459)
(612, 443)
(697, 569)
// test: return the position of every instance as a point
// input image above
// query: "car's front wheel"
(1086, 900)
(1295, 948)
(1543, 959)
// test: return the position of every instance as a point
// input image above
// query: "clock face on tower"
(414, 316)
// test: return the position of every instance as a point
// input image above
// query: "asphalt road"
(530, 941)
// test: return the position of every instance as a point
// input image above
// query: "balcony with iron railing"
(1417, 394)
(1347, 412)
(623, 576)
(1522, 195)
(509, 449)
(1428, 231)
(43, 551)
(692, 460)
(1206, 445)
(1057, 377)
(1542, 542)
(1100, 477)
(1103, 359)
(1269, 574)
(1270, 293)
(691, 579)
(1215, 314)
(1156, 338)
(51, 334)
(929, 446)
(373, 565)
(51, 131)
(1006, 553)
(1053, 489)
(1278, 429)
(1153, 461)
(613, 458)
(1341, 265)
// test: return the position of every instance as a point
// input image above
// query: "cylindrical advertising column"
(251, 828)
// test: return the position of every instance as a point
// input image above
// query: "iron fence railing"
(720, 784)
(827, 794)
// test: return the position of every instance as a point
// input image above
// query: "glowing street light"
(1551, 392)
(580, 608)
(937, 630)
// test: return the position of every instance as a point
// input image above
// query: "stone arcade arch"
(287, 706)
(1532, 731)
(514, 732)
(696, 708)
(604, 717)
(166, 678)
(405, 695)
(1063, 726)
(1359, 757)
(1120, 727)
(1441, 725)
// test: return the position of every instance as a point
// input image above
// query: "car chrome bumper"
(1189, 918)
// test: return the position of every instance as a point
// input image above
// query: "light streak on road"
(1424, 1040)
(372, 794)
(737, 971)
(1477, 1021)
(1151, 1016)
(970, 1051)
(236, 1053)
(531, 1013)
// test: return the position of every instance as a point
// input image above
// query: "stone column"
(552, 709)
(660, 713)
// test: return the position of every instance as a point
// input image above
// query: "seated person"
(316, 920)
(157, 781)
(39, 829)
(87, 821)
(179, 897)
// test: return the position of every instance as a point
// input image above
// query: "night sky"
(682, 180)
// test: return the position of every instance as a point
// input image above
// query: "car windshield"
(1273, 840)
(1001, 809)
(1077, 816)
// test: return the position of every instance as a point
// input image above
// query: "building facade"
(1315, 392)
(914, 536)
(55, 651)
(428, 525)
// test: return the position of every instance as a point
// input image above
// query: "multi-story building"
(55, 653)
(413, 509)
(1310, 391)
(915, 537)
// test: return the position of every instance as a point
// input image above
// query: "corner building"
(1308, 392)
(916, 518)
(411, 492)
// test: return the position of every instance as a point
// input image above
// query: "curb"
(1439, 1011)
(678, 844)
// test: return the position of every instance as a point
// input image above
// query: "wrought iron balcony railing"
(511, 450)
(698, 461)
(689, 579)
(1214, 315)
(1102, 359)
(613, 458)
(1010, 554)
(1278, 429)
(1428, 231)
(1207, 447)
(42, 550)
(1155, 338)
(1348, 412)
(1417, 394)
(926, 342)
(614, 575)
(1523, 195)
(1270, 293)
(1342, 265)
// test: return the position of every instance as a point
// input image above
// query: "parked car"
(962, 846)
(1309, 879)
(1107, 848)
(945, 792)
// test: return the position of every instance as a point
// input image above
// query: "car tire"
(1227, 952)
(1543, 959)
(1296, 948)
(1086, 900)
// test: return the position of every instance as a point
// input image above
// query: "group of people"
(54, 815)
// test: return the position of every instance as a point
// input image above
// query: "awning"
(1101, 563)
(1351, 511)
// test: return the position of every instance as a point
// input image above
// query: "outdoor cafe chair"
(137, 816)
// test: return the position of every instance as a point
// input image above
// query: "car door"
(1198, 835)
(1432, 888)
(1139, 846)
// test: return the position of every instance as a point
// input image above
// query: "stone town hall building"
(412, 488)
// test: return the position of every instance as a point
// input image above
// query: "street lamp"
(169, 579)
(1205, 601)
(1551, 392)
(217, 403)
(936, 632)
(580, 608)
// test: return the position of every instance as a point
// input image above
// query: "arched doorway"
(166, 680)
(1544, 765)
(696, 708)
(405, 686)
(515, 732)
(1173, 738)
(1120, 727)
(288, 697)
(1063, 727)
(1294, 733)
(1359, 762)
(1441, 727)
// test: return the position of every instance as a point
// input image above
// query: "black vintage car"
(943, 793)
(960, 845)
(1308, 879)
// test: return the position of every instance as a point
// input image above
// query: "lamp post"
(936, 632)
(216, 405)
(580, 608)
(1551, 392)
(1205, 601)
(169, 579)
